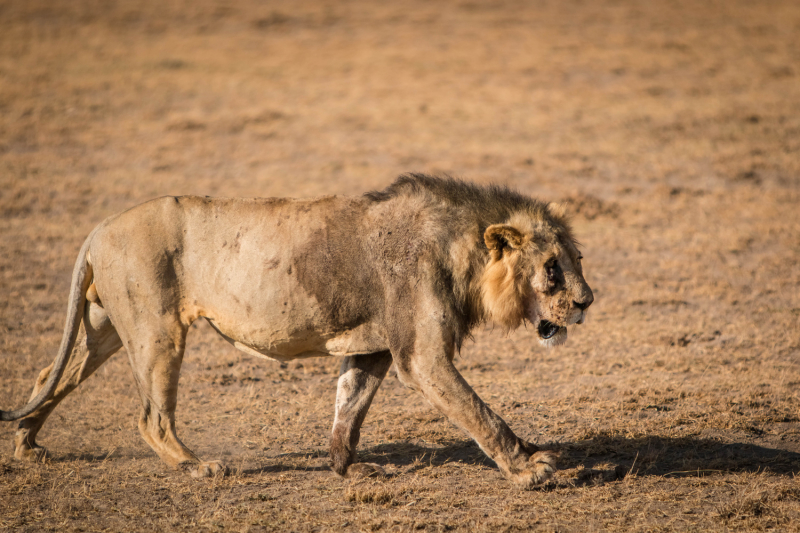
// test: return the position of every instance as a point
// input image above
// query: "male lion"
(400, 275)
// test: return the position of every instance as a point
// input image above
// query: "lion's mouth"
(547, 330)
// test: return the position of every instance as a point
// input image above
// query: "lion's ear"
(500, 236)
(559, 211)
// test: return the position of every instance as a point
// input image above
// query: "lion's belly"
(269, 314)
(285, 344)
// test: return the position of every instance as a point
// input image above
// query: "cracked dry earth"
(672, 130)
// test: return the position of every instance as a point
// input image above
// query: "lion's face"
(559, 294)
(535, 274)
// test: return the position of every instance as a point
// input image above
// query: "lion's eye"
(553, 271)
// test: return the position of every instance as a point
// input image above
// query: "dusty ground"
(673, 130)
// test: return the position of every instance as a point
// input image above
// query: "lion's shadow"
(606, 458)
(602, 457)
(650, 456)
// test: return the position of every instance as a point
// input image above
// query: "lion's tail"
(81, 279)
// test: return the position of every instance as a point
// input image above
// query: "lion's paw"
(33, 454)
(544, 466)
(208, 469)
(540, 468)
(364, 470)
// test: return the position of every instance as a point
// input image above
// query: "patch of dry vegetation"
(671, 130)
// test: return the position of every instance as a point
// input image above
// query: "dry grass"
(672, 129)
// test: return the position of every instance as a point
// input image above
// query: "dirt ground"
(672, 129)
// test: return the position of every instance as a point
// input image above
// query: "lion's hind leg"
(359, 379)
(156, 355)
(97, 341)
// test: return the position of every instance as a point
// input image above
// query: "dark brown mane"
(494, 202)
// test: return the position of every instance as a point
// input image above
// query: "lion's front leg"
(359, 379)
(445, 388)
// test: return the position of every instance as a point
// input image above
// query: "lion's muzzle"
(547, 330)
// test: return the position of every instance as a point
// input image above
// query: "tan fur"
(505, 290)
(92, 296)
(397, 276)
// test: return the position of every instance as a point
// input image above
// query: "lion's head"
(534, 273)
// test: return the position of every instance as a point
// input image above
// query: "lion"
(395, 276)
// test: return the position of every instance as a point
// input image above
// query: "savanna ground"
(671, 128)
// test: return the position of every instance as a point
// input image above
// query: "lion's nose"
(583, 305)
